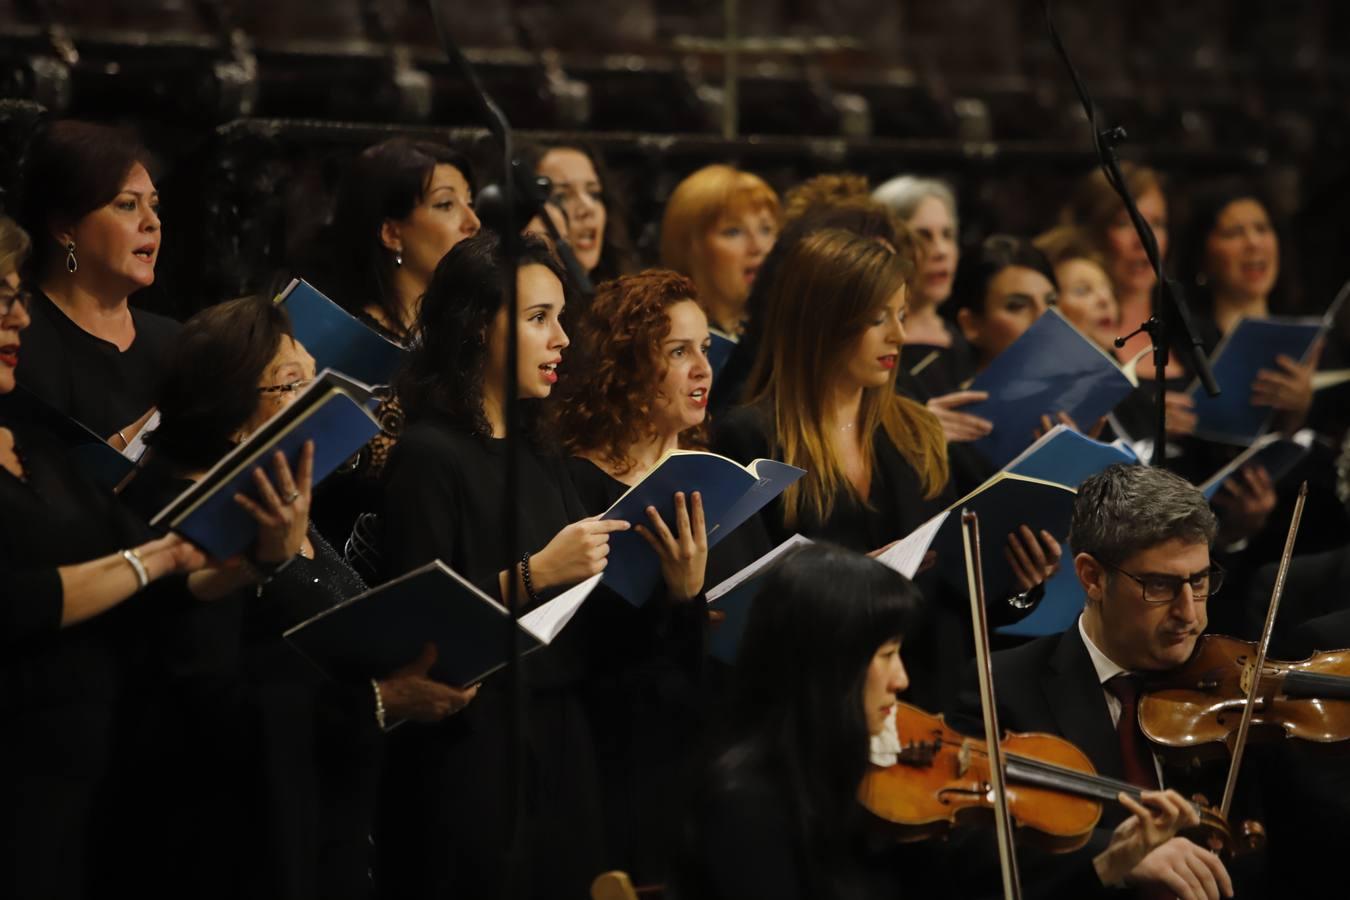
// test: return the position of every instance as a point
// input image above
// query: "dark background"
(253, 105)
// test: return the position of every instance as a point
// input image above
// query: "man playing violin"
(1141, 539)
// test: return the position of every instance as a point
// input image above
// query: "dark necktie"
(1134, 752)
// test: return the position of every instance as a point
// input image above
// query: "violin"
(1196, 708)
(941, 779)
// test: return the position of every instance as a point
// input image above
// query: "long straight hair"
(823, 295)
(795, 709)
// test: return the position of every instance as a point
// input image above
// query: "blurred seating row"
(1204, 74)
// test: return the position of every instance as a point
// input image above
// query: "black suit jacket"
(1050, 685)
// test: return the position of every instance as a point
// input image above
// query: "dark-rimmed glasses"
(1157, 589)
(11, 299)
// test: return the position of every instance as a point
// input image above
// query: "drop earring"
(398, 258)
(72, 264)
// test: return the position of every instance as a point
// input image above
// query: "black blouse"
(949, 368)
(895, 503)
(59, 687)
(444, 823)
(86, 377)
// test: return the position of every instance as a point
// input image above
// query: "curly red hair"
(606, 401)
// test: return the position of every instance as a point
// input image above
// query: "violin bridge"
(963, 759)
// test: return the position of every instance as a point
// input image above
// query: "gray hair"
(904, 193)
(1126, 509)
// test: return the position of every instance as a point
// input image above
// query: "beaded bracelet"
(525, 577)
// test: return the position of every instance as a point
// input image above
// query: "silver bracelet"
(379, 704)
(137, 566)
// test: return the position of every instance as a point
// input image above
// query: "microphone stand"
(1170, 316)
(517, 861)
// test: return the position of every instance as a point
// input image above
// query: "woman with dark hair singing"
(401, 206)
(92, 210)
(275, 719)
(446, 827)
(74, 561)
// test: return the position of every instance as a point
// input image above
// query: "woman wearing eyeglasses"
(84, 582)
(294, 755)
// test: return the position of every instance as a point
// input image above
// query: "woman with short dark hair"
(92, 210)
(296, 754)
(1002, 287)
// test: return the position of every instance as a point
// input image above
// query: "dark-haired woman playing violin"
(776, 813)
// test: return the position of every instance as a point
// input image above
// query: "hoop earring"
(72, 264)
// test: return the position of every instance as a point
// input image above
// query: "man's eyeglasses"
(288, 388)
(1158, 589)
(10, 299)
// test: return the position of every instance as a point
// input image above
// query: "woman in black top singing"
(72, 558)
(822, 397)
(290, 810)
(449, 823)
(776, 813)
(643, 393)
(92, 210)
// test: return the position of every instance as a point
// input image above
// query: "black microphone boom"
(1170, 314)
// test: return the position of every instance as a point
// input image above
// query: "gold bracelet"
(379, 704)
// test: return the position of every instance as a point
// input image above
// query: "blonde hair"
(14, 246)
(821, 298)
(698, 202)
(1068, 242)
(829, 191)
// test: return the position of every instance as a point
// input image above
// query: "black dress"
(742, 841)
(895, 507)
(60, 688)
(645, 696)
(276, 763)
(895, 503)
(941, 370)
(445, 812)
(86, 377)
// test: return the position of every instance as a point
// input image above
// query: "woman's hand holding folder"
(410, 693)
(576, 553)
(684, 556)
(1033, 561)
(282, 512)
(958, 426)
(1288, 390)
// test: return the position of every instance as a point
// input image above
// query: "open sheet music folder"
(731, 493)
(385, 628)
(733, 598)
(332, 412)
(1253, 345)
(87, 450)
(1053, 367)
(1003, 503)
(336, 339)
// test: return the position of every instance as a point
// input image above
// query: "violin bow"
(1254, 683)
(970, 536)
